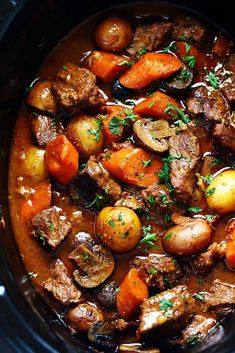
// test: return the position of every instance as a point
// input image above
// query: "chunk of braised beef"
(159, 196)
(130, 200)
(222, 45)
(106, 294)
(160, 271)
(204, 262)
(186, 147)
(45, 129)
(83, 238)
(221, 298)
(148, 37)
(50, 227)
(94, 264)
(60, 285)
(166, 313)
(75, 89)
(189, 29)
(224, 137)
(227, 78)
(94, 187)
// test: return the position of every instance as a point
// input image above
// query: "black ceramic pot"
(28, 31)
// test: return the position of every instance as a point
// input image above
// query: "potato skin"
(113, 34)
(86, 135)
(118, 228)
(81, 317)
(33, 165)
(41, 97)
(222, 199)
(187, 239)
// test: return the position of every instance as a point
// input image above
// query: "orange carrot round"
(132, 291)
(61, 159)
(150, 67)
(114, 111)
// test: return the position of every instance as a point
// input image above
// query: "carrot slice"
(134, 166)
(132, 291)
(156, 105)
(185, 50)
(36, 202)
(230, 253)
(150, 67)
(107, 66)
(115, 112)
(61, 159)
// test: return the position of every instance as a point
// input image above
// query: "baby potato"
(221, 193)
(113, 34)
(33, 165)
(41, 97)
(118, 228)
(187, 239)
(86, 134)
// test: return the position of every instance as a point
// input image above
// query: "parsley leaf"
(187, 47)
(153, 271)
(168, 236)
(97, 202)
(147, 163)
(151, 199)
(207, 179)
(164, 173)
(184, 74)
(96, 132)
(111, 223)
(209, 192)
(64, 67)
(199, 296)
(190, 61)
(194, 209)
(213, 80)
(126, 62)
(115, 125)
(210, 217)
(151, 105)
(171, 47)
(166, 305)
(149, 238)
(176, 114)
(143, 50)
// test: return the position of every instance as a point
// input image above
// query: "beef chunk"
(50, 226)
(130, 200)
(92, 181)
(160, 271)
(75, 89)
(221, 298)
(166, 313)
(224, 136)
(204, 262)
(227, 78)
(45, 129)
(183, 169)
(61, 286)
(106, 294)
(222, 45)
(159, 196)
(212, 104)
(83, 238)
(94, 265)
(197, 329)
(149, 37)
(187, 28)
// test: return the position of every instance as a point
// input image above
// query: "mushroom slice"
(153, 134)
(180, 81)
(94, 265)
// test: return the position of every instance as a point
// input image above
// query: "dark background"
(28, 31)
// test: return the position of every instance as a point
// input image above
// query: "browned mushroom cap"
(179, 82)
(94, 265)
(81, 318)
(153, 134)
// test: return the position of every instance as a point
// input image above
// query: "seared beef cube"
(224, 136)
(41, 97)
(94, 265)
(159, 196)
(148, 37)
(75, 89)
(222, 45)
(106, 294)
(130, 200)
(166, 313)
(45, 129)
(160, 271)
(83, 238)
(197, 329)
(221, 298)
(205, 262)
(61, 286)
(50, 227)
(213, 104)
(92, 181)
(227, 77)
(183, 169)
(189, 29)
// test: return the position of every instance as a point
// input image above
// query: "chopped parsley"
(171, 47)
(151, 199)
(96, 132)
(209, 192)
(187, 47)
(151, 104)
(184, 74)
(147, 163)
(168, 236)
(142, 50)
(40, 237)
(190, 61)
(216, 161)
(194, 209)
(166, 305)
(120, 218)
(153, 271)
(167, 218)
(126, 62)
(210, 217)
(64, 67)
(51, 226)
(164, 173)
(164, 200)
(179, 117)
(199, 296)
(149, 237)
(207, 179)
(213, 80)
(116, 123)
(111, 223)
(97, 202)
(35, 114)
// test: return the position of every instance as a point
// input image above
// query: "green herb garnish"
(149, 237)
(170, 48)
(194, 209)
(207, 179)
(126, 62)
(213, 80)
(179, 117)
(147, 163)
(111, 223)
(168, 236)
(199, 296)
(151, 199)
(96, 132)
(209, 192)
(98, 201)
(190, 61)
(143, 50)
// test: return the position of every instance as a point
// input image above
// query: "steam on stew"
(122, 187)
